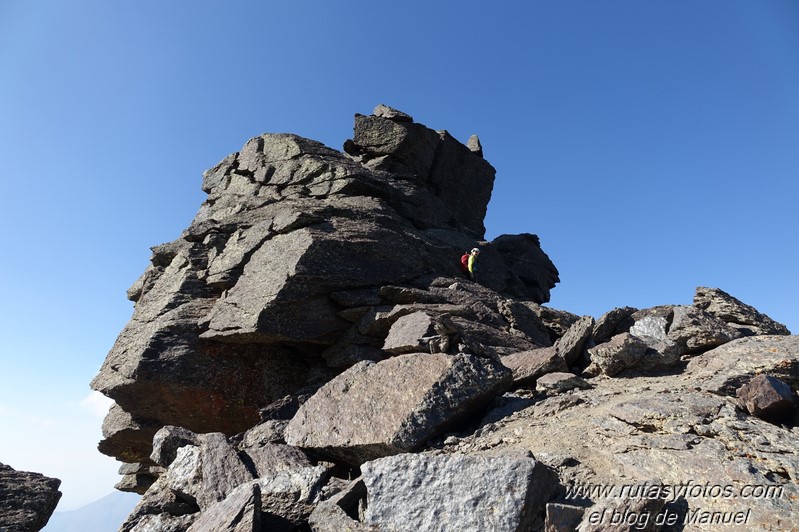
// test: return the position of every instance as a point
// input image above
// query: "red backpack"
(465, 263)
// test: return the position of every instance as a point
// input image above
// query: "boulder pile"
(308, 356)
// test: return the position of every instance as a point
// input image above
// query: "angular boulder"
(335, 514)
(289, 497)
(269, 459)
(571, 346)
(695, 330)
(614, 356)
(433, 159)
(27, 500)
(385, 408)
(613, 322)
(527, 366)
(238, 512)
(168, 440)
(410, 333)
(207, 473)
(768, 398)
(456, 492)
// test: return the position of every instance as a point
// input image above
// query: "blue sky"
(652, 146)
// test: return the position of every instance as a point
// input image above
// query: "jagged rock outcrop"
(27, 500)
(280, 282)
(307, 355)
(735, 313)
(276, 284)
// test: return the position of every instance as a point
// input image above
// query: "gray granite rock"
(168, 440)
(288, 497)
(384, 111)
(207, 473)
(379, 409)
(410, 333)
(335, 514)
(730, 366)
(456, 492)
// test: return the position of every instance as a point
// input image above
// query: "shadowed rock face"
(251, 303)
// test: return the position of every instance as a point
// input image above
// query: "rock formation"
(307, 355)
(27, 500)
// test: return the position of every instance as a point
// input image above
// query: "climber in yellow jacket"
(472, 264)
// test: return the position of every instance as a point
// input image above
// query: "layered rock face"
(27, 500)
(308, 356)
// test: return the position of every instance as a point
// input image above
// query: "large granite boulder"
(457, 492)
(380, 409)
(27, 500)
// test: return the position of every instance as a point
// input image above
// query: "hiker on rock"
(471, 264)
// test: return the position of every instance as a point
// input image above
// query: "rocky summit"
(308, 355)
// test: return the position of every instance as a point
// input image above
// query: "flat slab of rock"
(380, 409)
(456, 492)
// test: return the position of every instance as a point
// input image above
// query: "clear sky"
(653, 146)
